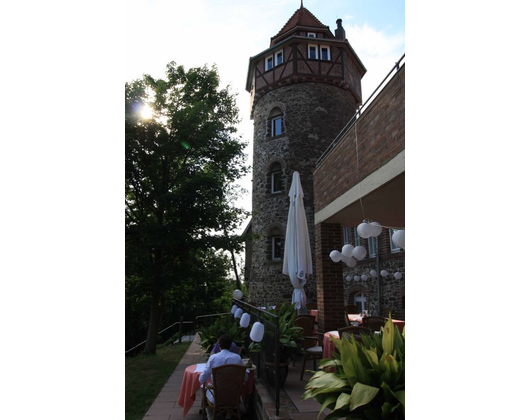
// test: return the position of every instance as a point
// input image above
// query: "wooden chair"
(310, 306)
(347, 332)
(375, 323)
(347, 321)
(351, 308)
(309, 345)
(226, 387)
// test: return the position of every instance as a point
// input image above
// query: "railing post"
(277, 364)
(180, 330)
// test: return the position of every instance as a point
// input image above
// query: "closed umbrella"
(297, 263)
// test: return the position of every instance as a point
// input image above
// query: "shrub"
(208, 333)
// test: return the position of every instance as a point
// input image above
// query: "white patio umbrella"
(297, 263)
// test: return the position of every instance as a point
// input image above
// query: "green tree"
(180, 169)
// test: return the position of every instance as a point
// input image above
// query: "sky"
(229, 32)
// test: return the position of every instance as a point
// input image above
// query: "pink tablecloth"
(314, 312)
(329, 347)
(190, 386)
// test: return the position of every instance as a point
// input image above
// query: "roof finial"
(301, 4)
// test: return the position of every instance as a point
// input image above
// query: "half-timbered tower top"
(305, 50)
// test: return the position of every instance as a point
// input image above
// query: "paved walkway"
(165, 406)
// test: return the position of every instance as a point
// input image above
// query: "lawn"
(145, 375)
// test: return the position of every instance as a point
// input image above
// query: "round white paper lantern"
(352, 262)
(384, 273)
(364, 230)
(373, 273)
(399, 238)
(397, 275)
(356, 278)
(376, 228)
(245, 320)
(348, 278)
(257, 331)
(234, 308)
(347, 250)
(238, 313)
(359, 252)
(364, 277)
(238, 294)
(335, 256)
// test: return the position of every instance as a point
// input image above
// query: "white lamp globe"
(245, 320)
(238, 294)
(335, 256)
(364, 277)
(348, 278)
(238, 313)
(234, 308)
(356, 278)
(384, 273)
(373, 273)
(257, 331)
(399, 238)
(359, 252)
(376, 228)
(352, 262)
(347, 250)
(364, 230)
(398, 275)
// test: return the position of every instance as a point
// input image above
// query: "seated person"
(224, 357)
(216, 349)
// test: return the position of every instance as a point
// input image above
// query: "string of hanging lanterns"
(349, 254)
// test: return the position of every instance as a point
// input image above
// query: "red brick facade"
(380, 135)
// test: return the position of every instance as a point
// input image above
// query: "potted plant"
(368, 379)
(208, 333)
(290, 338)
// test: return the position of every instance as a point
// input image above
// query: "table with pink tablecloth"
(329, 347)
(191, 384)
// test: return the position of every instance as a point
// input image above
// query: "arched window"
(276, 125)
(275, 180)
(277, 244)
(359, 300)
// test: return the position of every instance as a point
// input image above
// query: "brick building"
(305, 93)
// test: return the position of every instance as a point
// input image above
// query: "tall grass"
(145, 375)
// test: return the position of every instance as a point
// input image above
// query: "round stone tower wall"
(313, 115)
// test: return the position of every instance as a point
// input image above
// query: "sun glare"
(147, 112)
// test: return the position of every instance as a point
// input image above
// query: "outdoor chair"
(347, 321)
(375, 323)
(310, 306)
(351, 308)
(226, 390)
(310, 343)
(347, 332)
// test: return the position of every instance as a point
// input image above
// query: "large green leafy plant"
(290, 336)
(367, 380)
(208, 332)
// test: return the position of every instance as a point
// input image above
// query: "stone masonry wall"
(314, 113)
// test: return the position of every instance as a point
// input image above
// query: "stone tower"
(304, 89)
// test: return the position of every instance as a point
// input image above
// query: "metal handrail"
(160, 332)
(357, 114)
(259, 313)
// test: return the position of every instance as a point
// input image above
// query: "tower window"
(279, 57)
(276, 178)
(325, 53)
(276, 123)
(269, 63)
(371, 246)
(277, 244)
(311, 35)
(312, 52)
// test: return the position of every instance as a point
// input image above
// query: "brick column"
(330, 283)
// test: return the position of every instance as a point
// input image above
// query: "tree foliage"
(180, 169)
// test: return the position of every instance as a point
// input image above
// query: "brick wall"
(329, 278)
(380, 136)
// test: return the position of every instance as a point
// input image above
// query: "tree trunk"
(154, 324)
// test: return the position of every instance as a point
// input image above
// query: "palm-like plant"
(364, 380)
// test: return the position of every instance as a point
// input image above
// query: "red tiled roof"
(302, 17)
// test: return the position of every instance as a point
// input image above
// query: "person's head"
(225, 341)
(220, 333)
